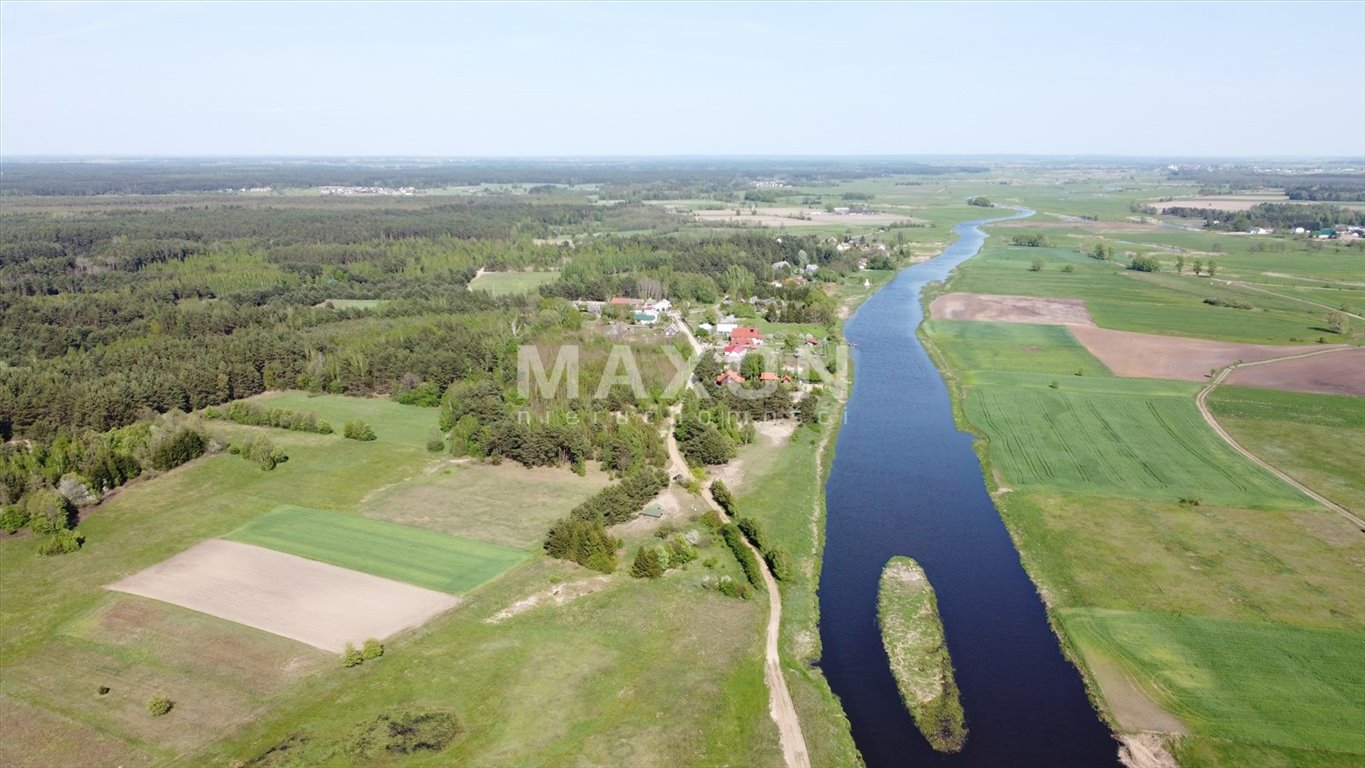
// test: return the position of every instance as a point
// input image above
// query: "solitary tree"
(1336, 321)
(1036, 266)
(1213, 268)
(1198, 267)
(1180, 264)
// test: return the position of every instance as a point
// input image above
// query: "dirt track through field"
(1201, 402)
(780, 704)
(315, 603)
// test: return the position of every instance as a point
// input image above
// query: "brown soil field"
(786, 217)
(315, 603)
(1148, 356)
(1009, 309)
(1337, 373)
(1222, 202)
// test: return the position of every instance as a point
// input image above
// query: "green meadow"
(1134, 438)
(1317, 439)
(399, 552)
(1017, 347)
(507, 283)
(1299, 688)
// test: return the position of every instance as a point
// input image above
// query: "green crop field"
(1137, 438)
(1318, 439)
(505, 283)
(403, 553)
(1025, 348)
(1163, 302)
(1262, 684)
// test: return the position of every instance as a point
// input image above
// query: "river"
(905, 481)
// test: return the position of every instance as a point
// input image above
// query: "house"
(811, 341)
(726, 376)
(591, 307)
(746, 335)
(707, 327)
(622, 301)
(662, 305)
(672, 330)
(767, 376)
(1326, 233)
(653, 510)
(725, 329)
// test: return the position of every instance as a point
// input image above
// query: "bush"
(1068, 268)
(711, 519)
(13, 517)
(372, 649)
(46, 511)
(260, 450)
(648, 564)
(350, 657)
(159, 705)
(436, 442)
(1037, 265)
(358, 430)
(585, 542)
(62, 542)
(731, 588)
(747, 562)
(1145, 264)
(404, 733)
(723, 497)
(254, 415)
(1032, 240)
(186, 444)
(103, 690)
(777, 558)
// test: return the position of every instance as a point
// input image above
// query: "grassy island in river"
(912, 633)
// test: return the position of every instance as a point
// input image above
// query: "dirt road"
(780, 705)
(1200, 402)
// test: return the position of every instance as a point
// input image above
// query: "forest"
(120, 317)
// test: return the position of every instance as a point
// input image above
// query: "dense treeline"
(1273, 216)
(156, 176)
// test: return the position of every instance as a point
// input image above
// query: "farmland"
(1105, 436)
(399, 552)
(1191, 587)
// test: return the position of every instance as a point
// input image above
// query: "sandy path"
(1200, 401)
(315, 603)
(780, 705)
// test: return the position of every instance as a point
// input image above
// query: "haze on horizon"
(456, 80)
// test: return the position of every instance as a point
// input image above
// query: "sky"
(574, 80)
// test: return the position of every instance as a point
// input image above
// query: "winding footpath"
(780, 704)
(1201, 402)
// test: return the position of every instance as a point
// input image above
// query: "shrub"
(1033, 240)
(711, 519)
(648, 564)
(103, 689)
(723, 497)
(777, 558)
(436, 442)
(1068, 268)
(46, 511)
(1145, 264)
(372, 649)
(63, 542)
(13, 517)
(159, 705)
(731, 588)
(260, 450)
(747, 562)
(405, 733)
(186, 444)
(358, 430)
(350, 657)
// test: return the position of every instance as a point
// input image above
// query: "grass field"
(1161, 303)
(404, 424)
(1293, 566)
(1134, 438)
(1253, 683)
(400, 552)
(1318, 439)
(783, 487)
(507, 504)
(1025, 348)
(506, 283)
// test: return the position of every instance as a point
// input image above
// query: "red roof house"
(728, 375)
(746, 334)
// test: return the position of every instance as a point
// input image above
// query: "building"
(725, 329)
(726, 376)
(746, 335)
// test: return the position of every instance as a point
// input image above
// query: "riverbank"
(912, 632)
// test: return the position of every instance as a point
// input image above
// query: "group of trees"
(1030, 240)
(582, 536)
(281, 418)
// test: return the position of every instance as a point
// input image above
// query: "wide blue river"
(905, 481)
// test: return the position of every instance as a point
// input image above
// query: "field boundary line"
(1252, 287)
(1200, 402)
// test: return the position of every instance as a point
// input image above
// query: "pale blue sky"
(558, 79)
